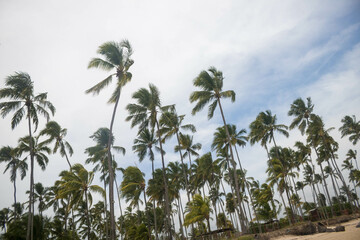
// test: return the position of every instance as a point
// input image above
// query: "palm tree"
(302, 112)
(20, 91)
(350, 128)
(57, 134)
(198, 210)
(117, 56)
(143, 146)
(211, 84)
(132, 186)
(77, 183)
(98, 155)
(171, 124)
(10, 156)
(351, 154)
(186, 144)
(145, 114)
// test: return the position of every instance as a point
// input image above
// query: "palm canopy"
(57, 134)
(263, 128)
(301, 112)
(198, 210)
(98, 153)
(171, 123)
(350, 128)
(133, 185)
(78, 183)
(144, 143)
(20, 89)
(186, 143)
(220, 140)
(211, 84)
(10, 156)
(40, 150)
(144, 112)
(116, 56)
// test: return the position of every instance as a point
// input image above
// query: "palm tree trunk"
(111, 174)
(29, 232)
(67, 159)
(15, 213)
(243, 227)
(154, 207)
(105, 212)
(147, 215)
(167, 202)
(87, 216)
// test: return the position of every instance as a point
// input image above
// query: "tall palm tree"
(145, 114)
(143, 145)
(186, 144)
(20, 91)
(350, 128)
(301, 112)
(117, 56)
(77, 183)
(10, 156)
(211, 83)
(57, 134)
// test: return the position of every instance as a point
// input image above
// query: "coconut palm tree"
(301, 112)
(117, 56)
(351, 154)
(198, 210)
(77, 183)
(145, 114)
(20, 91)
(57, 134)
(171, 124)
(143, 145)
(350, 128)
(132, 186)
(211, 83)
(10, 156)
(186, 144)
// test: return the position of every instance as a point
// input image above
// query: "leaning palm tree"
(10, 156)
(350, 128)
(145, 114)
(186, 144)
(211, 83)
(116, 56)
(57, 134)
(20, 91)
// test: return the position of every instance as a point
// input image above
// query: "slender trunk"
(67, 159)
(29, 232)
(15, 213)
(87, 216)
(242, 217)
(118, 195)
(154, 207)
(111, 173)
(287, 213)
(167, 202)
(180, 221)
(147, 215)
(105, 212)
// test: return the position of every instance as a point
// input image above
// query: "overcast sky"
(270, 52)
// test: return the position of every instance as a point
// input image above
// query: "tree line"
(216, 184)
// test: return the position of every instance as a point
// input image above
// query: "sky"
(270, 53)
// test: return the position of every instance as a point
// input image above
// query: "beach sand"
(351, 233)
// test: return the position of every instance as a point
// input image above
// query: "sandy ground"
(351, 233)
